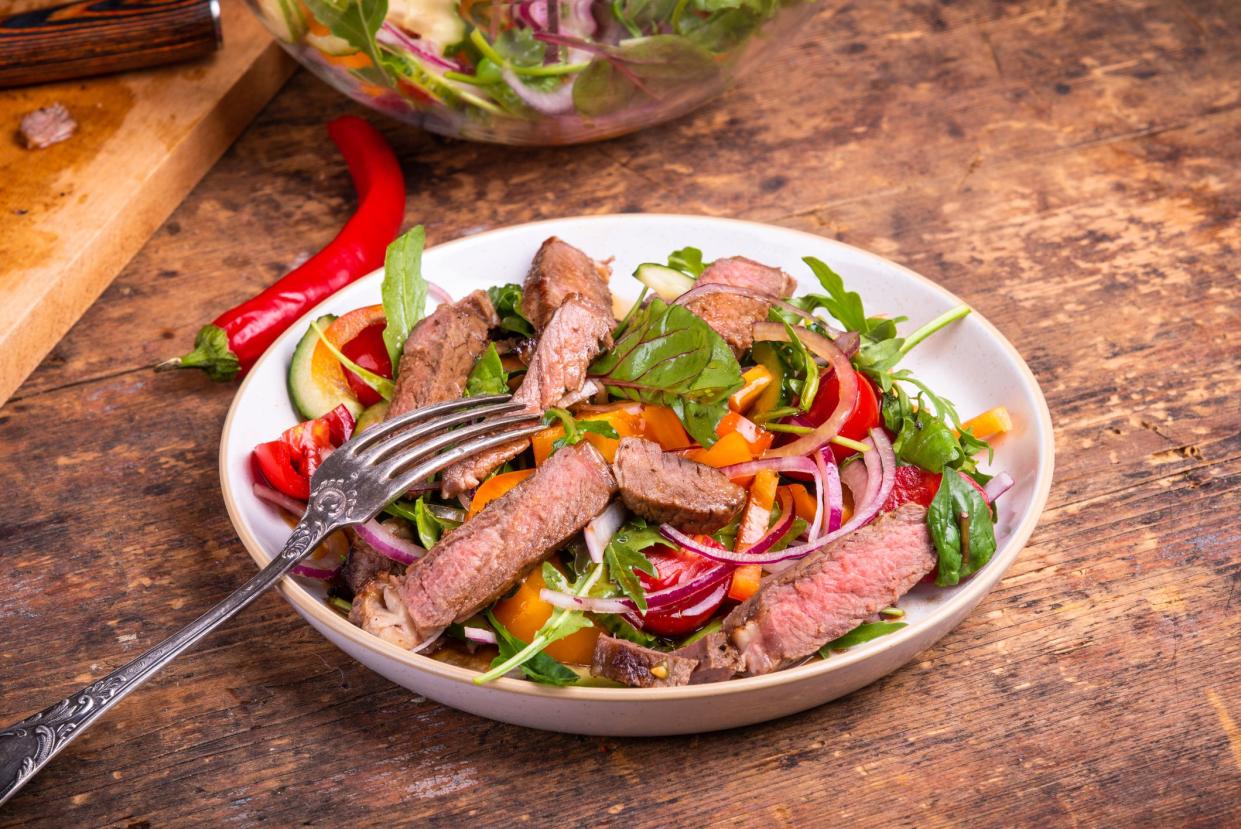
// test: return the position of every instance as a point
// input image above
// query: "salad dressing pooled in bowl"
(530, 72)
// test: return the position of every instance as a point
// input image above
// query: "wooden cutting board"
(73, 214)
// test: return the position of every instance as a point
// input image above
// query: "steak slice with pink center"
(665, 488)
(558, 271)
(733, 316)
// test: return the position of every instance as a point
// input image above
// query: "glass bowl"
(530, 72)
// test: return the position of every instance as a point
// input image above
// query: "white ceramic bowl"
(971, 363)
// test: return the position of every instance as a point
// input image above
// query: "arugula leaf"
(688, 260)
(404, 291)
(429, 527)
(488, 375)
(648, 67)
(862, 633)
(807, 367)
(669, 356)
(355, 21)
(506, 299)
(575, 430)
(539, 667)
(624, 558)
(960, 524)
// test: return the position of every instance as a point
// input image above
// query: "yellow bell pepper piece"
(524, 612)
(991, 423)
(494, 487)
(756, 379)
(662, 425)
(625, 418)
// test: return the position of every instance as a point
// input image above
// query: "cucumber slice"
(667, 283)
(307, 396)
(370, 416)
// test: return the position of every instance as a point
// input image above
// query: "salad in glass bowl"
(529, 72)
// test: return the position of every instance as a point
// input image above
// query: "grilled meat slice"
(733, 316)
(378, 609)
(828, 593)
(666, 488)
(441, 351)
(477, 562)
(576, 334)
(558, 271)
(630, 664)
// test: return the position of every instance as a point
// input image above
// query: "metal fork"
(352, 485)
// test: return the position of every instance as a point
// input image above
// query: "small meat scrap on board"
(822, 597)
(558, 271)
(629, 664)
(440, 352)
(477, 562)
(829, 593)
(733, 316)
(666, 488)
(576, 334)
(47, 126)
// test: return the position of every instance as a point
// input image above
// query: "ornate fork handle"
(27, 746)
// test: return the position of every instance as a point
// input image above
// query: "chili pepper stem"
(211, 353)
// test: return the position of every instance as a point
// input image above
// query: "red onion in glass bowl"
(530, 72)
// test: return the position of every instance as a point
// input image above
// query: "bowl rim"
(964, 599)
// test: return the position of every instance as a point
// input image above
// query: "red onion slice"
(883, 461)
(997, 486)
(568, 601)
(481, 635)
(437, 293)
(846, 377)
(754, 554)
(556, 102)
(281, 500)
(831, 498)
(601, 529)
(749, 468)
(317, 573)
(388, 544)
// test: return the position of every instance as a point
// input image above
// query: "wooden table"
(1073, 170)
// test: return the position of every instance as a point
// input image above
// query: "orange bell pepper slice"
(756, 379)
(325, 369)
(756, 436)
(662, 425)
(728, 450)
(805, 504)
(524, 612)
(991, 423)
(625, 418)
(755, 522)
(494, 487)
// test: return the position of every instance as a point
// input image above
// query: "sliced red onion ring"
(396, 36)
(846, 377)
(388, 544)
(556, 102)
(754, 554)
(568, 601)
(997, 486)
(749, 468)
(482, 635)
(883, 469)
(831, 500)
(437, 293)
(317, 573)
(279, 499)
(601, 529)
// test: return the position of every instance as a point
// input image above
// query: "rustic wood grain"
(1071, 169)
(73, 214)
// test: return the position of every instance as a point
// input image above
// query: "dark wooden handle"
(95, 37)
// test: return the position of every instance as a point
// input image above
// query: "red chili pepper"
(235, 340)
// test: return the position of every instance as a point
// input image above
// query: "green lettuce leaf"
(404, 291)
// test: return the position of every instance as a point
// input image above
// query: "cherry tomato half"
(369, 351)
(915, 484)
(289, 461)
(863, 418)
(674, 566)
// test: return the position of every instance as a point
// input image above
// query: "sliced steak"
(364, 562)
(828, 593)
(47, 126)
(629, 664)
(715, 658)
(666, 488)
(440, 352)
(478, 561)
(576, 334)
(378, 609)
(733, 316)
(558, 271)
